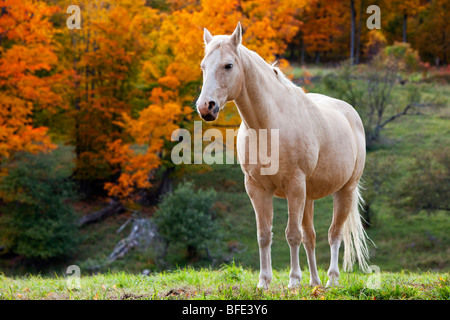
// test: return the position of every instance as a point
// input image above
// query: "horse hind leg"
(346, 225)
(342, 203)
(309, 242)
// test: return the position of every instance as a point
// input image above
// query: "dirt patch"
(130, 296)
(184, 293)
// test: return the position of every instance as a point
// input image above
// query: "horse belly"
(330, 176)
(319, 188)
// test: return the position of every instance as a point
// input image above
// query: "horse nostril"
(211, 105)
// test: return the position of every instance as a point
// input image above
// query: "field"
(230, 282)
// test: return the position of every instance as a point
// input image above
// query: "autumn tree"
(357, 8)
(35, 219)
(400, 17)
(405, 9)
(105, 57)
(322, 24)
(433, 35)
(28, 83)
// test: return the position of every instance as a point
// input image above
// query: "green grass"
(230, 282)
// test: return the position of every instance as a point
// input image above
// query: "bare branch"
(395, 116)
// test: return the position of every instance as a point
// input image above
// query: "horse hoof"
(315, 283)
(293, 284)
(263, 285)
(332, 282)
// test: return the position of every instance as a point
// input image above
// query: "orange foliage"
(107, 52)
(27, 58)
(154, 125)
(322, 23)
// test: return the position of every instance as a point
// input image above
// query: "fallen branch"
(143, 233)
(114, 207)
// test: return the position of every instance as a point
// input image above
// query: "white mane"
(270, 68)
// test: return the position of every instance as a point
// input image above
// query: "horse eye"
(229, 66)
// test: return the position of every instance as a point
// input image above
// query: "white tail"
(354, 236)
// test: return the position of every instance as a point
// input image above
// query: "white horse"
(321, 152)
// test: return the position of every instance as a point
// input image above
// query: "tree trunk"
(302, 52)
(405, 25)
(167, 183)
(444, 47)
(352, 32)
(302, 58)
(192, 253)
(153, 196)
(358, 37)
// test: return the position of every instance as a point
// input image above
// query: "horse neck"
(260, 91)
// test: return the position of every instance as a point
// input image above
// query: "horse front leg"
(262, 202)
(309, 241)
(296, 195)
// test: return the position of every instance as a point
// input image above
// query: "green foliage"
(231, 272)
(35, 219)
(186, 216)
(378, 172)
(427, 187)
(343, 85)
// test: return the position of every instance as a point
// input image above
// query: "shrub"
(185, 216)
(427, 186)
(35, 220)
(377, 177)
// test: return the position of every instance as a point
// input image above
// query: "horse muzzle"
(208, 110)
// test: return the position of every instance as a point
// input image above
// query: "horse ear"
(207, 36)
(236, 37)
